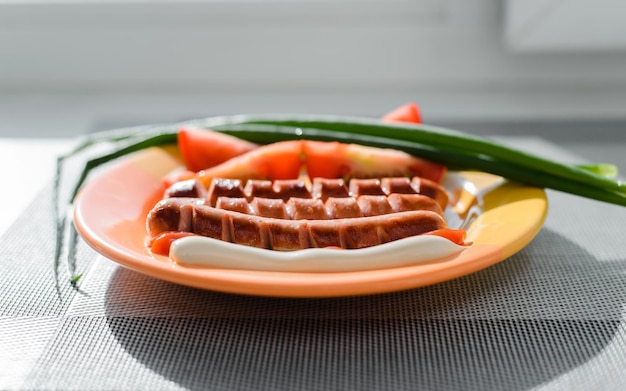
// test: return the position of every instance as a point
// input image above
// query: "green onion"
(455, 160)
(442, 139)
(75, 279)
(137, 145)
(603, 169)
(457, 150)
(134, 139)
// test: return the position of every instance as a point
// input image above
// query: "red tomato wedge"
(284, 160)
(339, 160)
(203, 148)
(409, 112)
(280, 160)
(162, 243)
(456, 236)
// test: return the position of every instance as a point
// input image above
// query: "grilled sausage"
(286, 215)
(321, 188)
(289, 234)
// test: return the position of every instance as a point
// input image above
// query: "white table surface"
(27, 165)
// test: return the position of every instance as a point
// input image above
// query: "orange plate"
(110, 215)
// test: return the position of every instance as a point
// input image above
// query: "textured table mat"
(550, 317)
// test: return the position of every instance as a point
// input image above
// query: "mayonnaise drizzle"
(199, 250)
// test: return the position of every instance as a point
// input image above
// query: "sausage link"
(288, 215)
(284, 234)
(321, 188)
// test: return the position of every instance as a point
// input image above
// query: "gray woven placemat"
(550, 317)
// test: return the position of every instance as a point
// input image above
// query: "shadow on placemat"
(515, 325)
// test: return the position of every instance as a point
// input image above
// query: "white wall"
(566, 26)
(74, 64)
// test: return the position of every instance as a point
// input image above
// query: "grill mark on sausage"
(366, 187)
(291, 188)
(223, 188)
(167, 216)
(342, 208)
(430, 189)
(268, 207)
(374, 205)
(186, 188)
(306, 209)
(234, 204)
(324, 188)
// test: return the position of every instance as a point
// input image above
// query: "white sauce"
(199, 250)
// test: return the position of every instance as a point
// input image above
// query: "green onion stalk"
(455, 149)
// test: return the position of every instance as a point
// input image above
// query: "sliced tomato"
(339, 160)
(281, 160)
(454, 235)
(409, 112)
(203, 148)
(161, 244)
